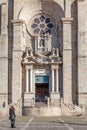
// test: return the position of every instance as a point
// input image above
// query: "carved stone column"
(27, 80)
(52, 70)
(55, 96)
(29, 95)
(57, 80)
(31, 78)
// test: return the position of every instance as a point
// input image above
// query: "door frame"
(42, 79)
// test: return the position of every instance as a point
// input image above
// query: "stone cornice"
(17, 21)
(67, 20)
(41, 64)
(3, 3)
(80, 0)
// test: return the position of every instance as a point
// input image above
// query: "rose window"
(42, 25)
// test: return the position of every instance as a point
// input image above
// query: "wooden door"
(42, 89)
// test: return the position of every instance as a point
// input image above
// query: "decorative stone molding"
(53, 67)
(67, 20)
(48, 57)
(29, 67)
(17, 21)
(57, 67)
(80, 0)
(3, 3)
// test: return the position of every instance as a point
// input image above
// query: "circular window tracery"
(42, 25)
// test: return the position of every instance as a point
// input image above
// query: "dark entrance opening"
(42, 90)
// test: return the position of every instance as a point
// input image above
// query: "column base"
(55, 99)
(29, 99)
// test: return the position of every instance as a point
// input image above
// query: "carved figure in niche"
(48, 36)
(42, 41)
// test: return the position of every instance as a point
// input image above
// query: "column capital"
(52, 67)
(29, 67)
(26, 67)
(4, 3)
(57, 67)
(67, 20)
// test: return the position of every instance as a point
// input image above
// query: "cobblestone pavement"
(45, 123)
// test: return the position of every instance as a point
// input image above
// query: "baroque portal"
(42, 59)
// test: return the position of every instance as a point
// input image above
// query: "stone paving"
(46, 123)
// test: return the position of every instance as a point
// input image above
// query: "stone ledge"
(17, 22)
(67, 20)
(80, 0)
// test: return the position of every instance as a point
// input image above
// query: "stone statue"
(42, 41)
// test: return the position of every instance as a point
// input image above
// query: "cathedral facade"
(43, 52)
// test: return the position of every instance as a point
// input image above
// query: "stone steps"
(40, 104)
(43, 111)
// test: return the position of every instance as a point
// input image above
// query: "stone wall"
(3, 52)
(82, 52)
